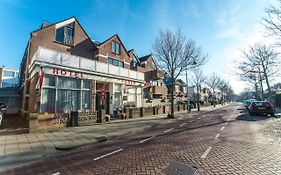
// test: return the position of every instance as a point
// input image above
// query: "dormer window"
(65, 34)
(115, 48)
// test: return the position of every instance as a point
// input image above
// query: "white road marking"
(222, 128)
(183, 124)
(199, 118)
(147, 139)
(217, 136)
(169, 130)
(228, 119)
(206, 153)
(108, 154)
(191, 121)
(57, 173)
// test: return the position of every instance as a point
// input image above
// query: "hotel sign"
(77, 74)
(67, 73)
(128, 82)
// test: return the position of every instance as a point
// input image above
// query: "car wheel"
(272, 114)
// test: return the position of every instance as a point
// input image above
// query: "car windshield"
(260, 103)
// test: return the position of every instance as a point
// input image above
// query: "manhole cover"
(177, 168)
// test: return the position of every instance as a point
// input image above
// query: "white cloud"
(230, 32)
(228, 23)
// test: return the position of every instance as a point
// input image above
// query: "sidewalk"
(19, 148)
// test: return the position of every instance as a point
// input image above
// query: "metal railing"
(68, 60)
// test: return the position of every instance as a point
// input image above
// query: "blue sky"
(220, 27)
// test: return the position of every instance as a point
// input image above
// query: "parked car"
(248, 103)
(261, 107)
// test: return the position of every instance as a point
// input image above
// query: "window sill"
(62, 43)
(115, 53)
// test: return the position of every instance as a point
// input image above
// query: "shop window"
(86, 84)
(50, 81)
(69, 83)
(48, 100)
(68, 100)
(66, 95)
(115, 48)
(117, 87)
(65, 34)
(86, 99)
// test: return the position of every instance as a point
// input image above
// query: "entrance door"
(105, 104)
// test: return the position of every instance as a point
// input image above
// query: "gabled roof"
(168, 81)
(144, 58)
(119, 40)
(135, 54)
(41, 28)
(75, 19)
(181, 82)
(45, 24)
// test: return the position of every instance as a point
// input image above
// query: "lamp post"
(187, 94)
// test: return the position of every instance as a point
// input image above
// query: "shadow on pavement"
(246, 117)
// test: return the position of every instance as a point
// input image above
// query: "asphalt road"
(223, 141)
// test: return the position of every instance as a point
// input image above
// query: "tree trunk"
(198, 102)
(260, 80)
(256, 89)
(268, 87)
(267, 83)
(172, 98)
(214, 98)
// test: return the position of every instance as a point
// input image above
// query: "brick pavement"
(14, 148)
(239, 149)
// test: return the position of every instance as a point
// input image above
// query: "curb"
(74, 146)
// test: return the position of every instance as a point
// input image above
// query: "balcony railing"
(154, 75)
(159, 90)
(73, 61)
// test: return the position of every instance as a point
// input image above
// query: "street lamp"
(187, 94)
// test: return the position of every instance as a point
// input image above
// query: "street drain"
(177, 168)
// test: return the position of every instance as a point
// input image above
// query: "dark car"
(249, 102)
(261, 107)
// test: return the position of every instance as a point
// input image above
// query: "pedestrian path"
(28, 146)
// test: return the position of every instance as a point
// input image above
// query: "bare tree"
(272, 21)
(173, 54)
(223, 88)
(263, 62)
(198, 59)
(213, 82)
(198, 78)
(247, 74)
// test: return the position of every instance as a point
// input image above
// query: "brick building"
(155, 90)
(63, 70)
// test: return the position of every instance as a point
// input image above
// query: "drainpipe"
(26, 75)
